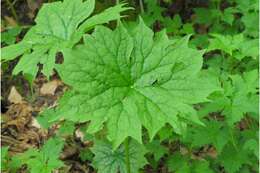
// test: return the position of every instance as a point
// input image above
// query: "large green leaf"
(129, 81)
(59, 25)
(107, 160)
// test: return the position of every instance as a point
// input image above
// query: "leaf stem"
(12, 10)
(20, 26)
(118, 20)
(141, 6)
(127, 157)
(13, 3)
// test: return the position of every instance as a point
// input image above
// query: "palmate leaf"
(153, 12)
(251, 142)
(107, 160)
(237, 46)
(178, 163)
(156, 149)
(59, 25)
(129, 81)
(213, 134)
(232, 159)
(244, 97)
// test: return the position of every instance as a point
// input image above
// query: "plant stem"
(13, 3)
(12, 10)
(21, 26)
(118, 21)
(127, 157)
(141, 6)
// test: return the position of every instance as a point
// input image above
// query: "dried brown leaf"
(14, 96)
(50, 87)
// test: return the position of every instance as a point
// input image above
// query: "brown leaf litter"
(14, 96)
(50, 87)
(17, 131)
(20, 129)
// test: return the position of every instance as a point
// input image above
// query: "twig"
(12, 10)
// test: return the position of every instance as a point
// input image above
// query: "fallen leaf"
(79, 134)
(212, 152)
(50, 87)
(184, 150)
(35, 123)
(10, 21)
(14, 96)
(33, 6)
(18, 115)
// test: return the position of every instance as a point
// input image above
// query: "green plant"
(237, 46)
(59, 25)
(9, 36)
(174, 25)
(132, 82)
(4, 158)
(44, 160)
(140, 79)
(107, 160)
(179, 163)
